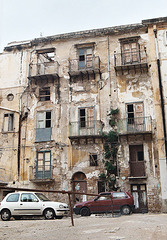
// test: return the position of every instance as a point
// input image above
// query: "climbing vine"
(110, 146)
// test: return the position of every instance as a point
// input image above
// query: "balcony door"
(137, 167)
(135, 117)
(130, 53)
(43, 166)
(85, 58)
(86, 121)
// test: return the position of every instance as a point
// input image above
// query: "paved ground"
(133, 227)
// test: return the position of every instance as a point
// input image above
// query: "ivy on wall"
(110, 146)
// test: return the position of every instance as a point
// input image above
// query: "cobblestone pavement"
(132, 227)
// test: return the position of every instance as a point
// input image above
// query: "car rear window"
(119, 195)
(13, 198)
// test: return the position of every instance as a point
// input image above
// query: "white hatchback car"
(19, 204)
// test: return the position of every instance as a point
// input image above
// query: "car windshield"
(42, 197)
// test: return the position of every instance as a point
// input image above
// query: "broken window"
(93, 160)
(8, 124)
(43, 130)
(45, 60)
(130, 50)
(44, 120)
(44, 94)
(135, 116)
(43, 166)
(86, 117)
(85, 57)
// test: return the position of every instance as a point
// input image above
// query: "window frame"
(93, 162)
(43, 95)
(9, 122)
(45, 120)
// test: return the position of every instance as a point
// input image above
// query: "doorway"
(79, 184)
(139, 194)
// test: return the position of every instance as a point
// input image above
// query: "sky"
(28, 19)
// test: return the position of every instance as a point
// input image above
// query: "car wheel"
(125, 210)
(85, 211)
(5, 215)
(49, 213)
(59, 217)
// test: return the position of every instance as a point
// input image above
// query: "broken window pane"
(93, 160)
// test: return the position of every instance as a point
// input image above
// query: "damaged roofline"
(87, 33)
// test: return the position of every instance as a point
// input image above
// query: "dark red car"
(106, 202)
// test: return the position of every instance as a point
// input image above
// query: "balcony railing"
(130, 60)
(45, 68)
(80, 66)
(85, 128)
(135, 125)
(41, 173)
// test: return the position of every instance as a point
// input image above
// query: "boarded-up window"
(8, 124)
(85, 58)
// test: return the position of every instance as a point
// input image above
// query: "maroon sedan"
(105, 203)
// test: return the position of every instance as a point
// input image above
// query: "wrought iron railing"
(85, 128)
(41, 172)
(130, 58)
(90, 64)
(44, 68)
(135, 125)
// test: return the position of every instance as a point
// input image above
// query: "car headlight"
(61, 206)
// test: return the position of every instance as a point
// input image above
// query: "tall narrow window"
(43, 130)
(93, 160)
(43, 166)
(86, 117)
(8, 122)
(85, 58)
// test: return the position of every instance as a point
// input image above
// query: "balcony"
(44, 71)
(87, 129)
(43, 134)
(140, 125)
(128, 61)
(87, 67)
(41, 174)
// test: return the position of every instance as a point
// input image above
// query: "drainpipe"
(108, 57)
(161, 91)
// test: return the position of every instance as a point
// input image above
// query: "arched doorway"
(79, 184)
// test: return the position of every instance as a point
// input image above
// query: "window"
(130, 50)
(119, 195)
(44, 94)
(101, 186)
(93, 160)
(44, 120)
(13, 198)
(8, 122)
(43, 130)
(85, 57)
(86, 117)
(43, 166)
(28, 197)
(135, 116)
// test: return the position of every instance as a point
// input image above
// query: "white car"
(20, 204)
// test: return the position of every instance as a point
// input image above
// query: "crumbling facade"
(56, 96)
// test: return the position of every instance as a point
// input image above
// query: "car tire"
(5, 215)
(85, 211)
(125, 210)
(49, 213)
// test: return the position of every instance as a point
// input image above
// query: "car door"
(101, 204)
(29, 205)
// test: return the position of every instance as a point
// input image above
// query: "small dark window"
(93, 160)
(140, 156)
(48, 119)
(82, 118)
(13, 198)
(44, 94)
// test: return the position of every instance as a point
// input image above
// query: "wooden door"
(137, 167)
